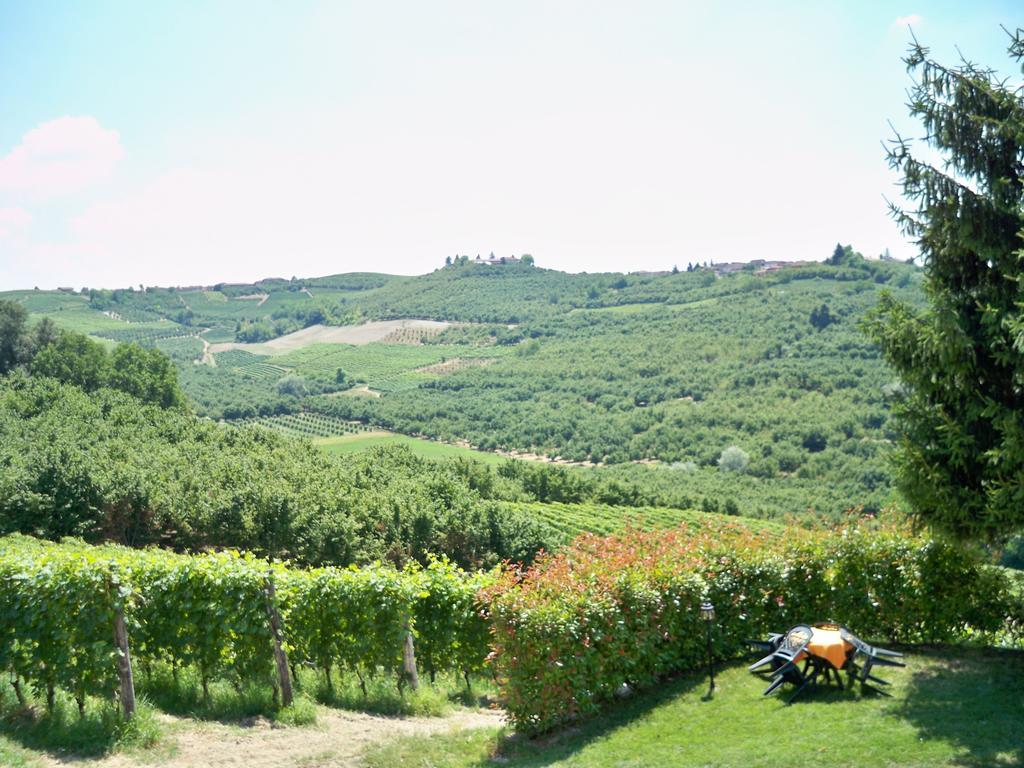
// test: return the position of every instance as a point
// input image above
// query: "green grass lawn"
(429, 449)
(961, 707)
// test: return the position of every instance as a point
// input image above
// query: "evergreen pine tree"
(960, 461)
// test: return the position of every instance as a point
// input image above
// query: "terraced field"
(236, 358)
(140, 333)
(74, 313)
(181, 348)
(43, 302)
(309, 425)
(384, 367)
(219, 334)
(249, 364)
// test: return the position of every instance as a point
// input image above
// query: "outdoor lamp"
(707, 612)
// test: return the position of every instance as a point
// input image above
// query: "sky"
(176, 143)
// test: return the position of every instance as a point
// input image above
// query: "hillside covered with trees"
(751, 390)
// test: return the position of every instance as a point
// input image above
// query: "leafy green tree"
(13, 341)
(44, 332)
(75, 359)
(733, 459)
(19, 341)
(295, 385)
(821, 317)
(148, 374)
(960, 461)
(837, 257)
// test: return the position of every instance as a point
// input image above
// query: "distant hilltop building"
(492, 260)
(525, 259)
(886, 256)
(757, 266)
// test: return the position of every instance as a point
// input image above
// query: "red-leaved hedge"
(624, 609)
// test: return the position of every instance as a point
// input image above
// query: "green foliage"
(19, 342)
(384, 367)
(570, 520)
(106, 467)
(624, 609)
(603, 368)
(147, 374)
(673, 371)
(734, 459)
(236, 393)
(961, 360)
(73, 358)
(64, 729)
(1013, 553)
(181, 349)
(292, 385)
(208, 613)
(821, 317)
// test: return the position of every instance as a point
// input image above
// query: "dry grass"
(338, 739)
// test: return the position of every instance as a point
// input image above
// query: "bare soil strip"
(331, 334)
(338, 739)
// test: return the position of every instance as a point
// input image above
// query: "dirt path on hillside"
(207, 358)
(337, 740)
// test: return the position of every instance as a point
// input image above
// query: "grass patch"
(14, 756)
(428, 449)
(99, 731)
(383, 697)
(226, 702)
(958, 707)
(302, 711)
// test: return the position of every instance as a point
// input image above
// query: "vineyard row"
(76, 617)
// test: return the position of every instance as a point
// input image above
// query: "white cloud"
(14, 224)
(909, 20)
(61, 156)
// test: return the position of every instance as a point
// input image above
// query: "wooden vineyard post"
(409, 661)
(280, 657)
(124, 659)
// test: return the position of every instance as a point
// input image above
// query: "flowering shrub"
(624, 609)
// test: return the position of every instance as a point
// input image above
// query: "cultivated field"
(429, 449)
(570, 520)
(345, 334)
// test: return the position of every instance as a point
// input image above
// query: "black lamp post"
(707, 612)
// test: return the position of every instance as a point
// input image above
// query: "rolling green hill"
(750, 392)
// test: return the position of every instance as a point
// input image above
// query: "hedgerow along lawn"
(950, 706)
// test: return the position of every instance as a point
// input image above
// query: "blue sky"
(185, 142)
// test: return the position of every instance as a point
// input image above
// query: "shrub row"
(624, 609)
(58, 602)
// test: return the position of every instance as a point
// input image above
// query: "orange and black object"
(826, 649)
